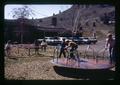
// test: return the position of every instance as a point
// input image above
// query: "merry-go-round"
(86, 60)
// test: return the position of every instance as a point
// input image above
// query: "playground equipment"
(85, 59)
(90, 59)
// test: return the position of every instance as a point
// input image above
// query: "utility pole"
(76, 21)
(21, 31)
(94, 30)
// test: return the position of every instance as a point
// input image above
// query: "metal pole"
(57, 55)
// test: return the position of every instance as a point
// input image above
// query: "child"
(36, 47)
(73, 47)
(43, 45)
(8, 48)
(62, 50)
(110, 45)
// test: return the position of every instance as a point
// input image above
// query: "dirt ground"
(38, 67)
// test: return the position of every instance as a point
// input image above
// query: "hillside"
(100, 14)
(88, 14)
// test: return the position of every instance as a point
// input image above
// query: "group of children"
(43, 46)
(110, 42)
(68, 44)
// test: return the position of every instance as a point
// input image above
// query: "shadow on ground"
(85, 74)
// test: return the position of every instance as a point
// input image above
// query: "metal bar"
(29, 51)
(57, 55)
(53, 54)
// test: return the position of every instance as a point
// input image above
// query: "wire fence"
(28, 50)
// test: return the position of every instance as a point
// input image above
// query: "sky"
(40, 11)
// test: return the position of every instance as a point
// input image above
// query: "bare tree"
(23, 12)
(20, 14)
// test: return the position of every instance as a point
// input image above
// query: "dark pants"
(43, 47)
(72, 54)
(113, 56)
(62, 51)
(7, 52)
(37, 50)
(110, 55)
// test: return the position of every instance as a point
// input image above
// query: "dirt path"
(39, 68)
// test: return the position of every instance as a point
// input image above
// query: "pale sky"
(40, 11)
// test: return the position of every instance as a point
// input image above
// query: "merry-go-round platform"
(98, 60)
(89, 64)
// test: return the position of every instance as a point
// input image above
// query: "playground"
(30, 54)
(24, 64)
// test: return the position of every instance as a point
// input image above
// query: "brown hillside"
(88, 14)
